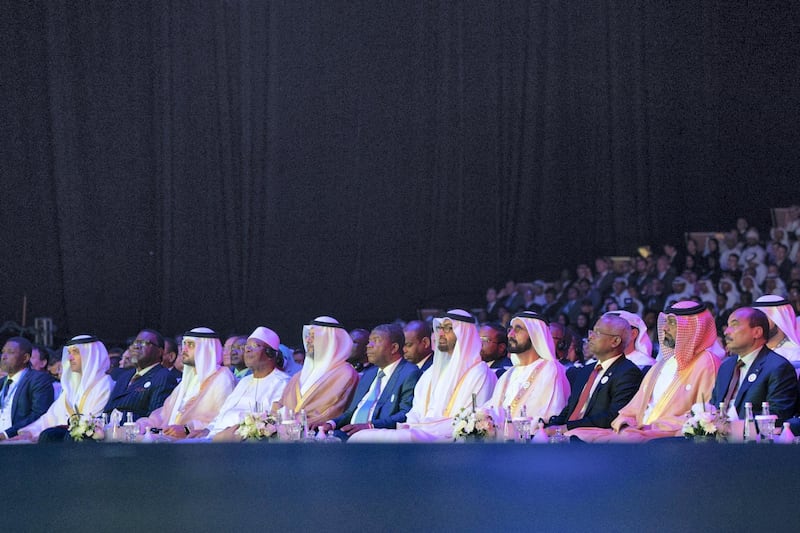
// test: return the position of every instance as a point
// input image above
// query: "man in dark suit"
(386, 390)
(417, 348)
(601, 389)
(754, 373)
(25, 394)
(142, 389)
(170, 358)
(494, 343)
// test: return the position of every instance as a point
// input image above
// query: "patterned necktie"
(362, 415)
(580, 407)
(733, 386)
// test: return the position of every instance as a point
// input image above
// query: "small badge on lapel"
(751, 378)
(391, 400)
(604, 380)
(147, 385)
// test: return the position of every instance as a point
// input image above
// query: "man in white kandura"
(783, 337)
(537, 383)
(85, 389)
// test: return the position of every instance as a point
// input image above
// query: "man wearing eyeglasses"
(143, 388)
(601, 389)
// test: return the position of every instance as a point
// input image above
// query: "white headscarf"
(710, 295)
(539, 332)
(733, 294)
(332, 346)
(780, 311)
(449, 368)
(643, 346)
(94, 364)
(207, 359)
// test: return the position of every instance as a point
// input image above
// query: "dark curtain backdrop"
(230, 164)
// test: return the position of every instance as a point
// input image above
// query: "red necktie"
(581, 405)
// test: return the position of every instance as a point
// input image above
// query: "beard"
(772, 332)
(515, 347)
(669, 342)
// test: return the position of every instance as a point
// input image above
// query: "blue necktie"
(362, 415)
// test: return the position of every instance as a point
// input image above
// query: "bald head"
(609, 337)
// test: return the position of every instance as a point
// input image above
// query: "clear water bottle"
(750, 434)
(508, 427)
(722, 423)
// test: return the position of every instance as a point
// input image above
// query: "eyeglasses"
(141, 343)
(598, 332)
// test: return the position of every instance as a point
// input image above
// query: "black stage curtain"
(174, 164)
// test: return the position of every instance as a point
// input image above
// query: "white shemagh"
(448, 369)
(94, 364)
(331, 347)
(207, 359)
(780, 311)
(642, 354)
(539, 332)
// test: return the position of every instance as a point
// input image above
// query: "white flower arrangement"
(703, 421)
(473, 424)
(258, 426)
(81, 427)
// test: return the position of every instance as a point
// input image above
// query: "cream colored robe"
(199, 411)
(326, 399)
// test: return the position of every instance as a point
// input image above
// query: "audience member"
(754, 373)
(203, 389)
(255, 392)
(143, 389)
(327, 382)
(25, 394)
(494, 343)
(417, 348)
(85, 389)
(601, 389)
(536, 386)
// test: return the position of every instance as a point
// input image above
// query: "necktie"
(733, 386)
(580, 407)
(6, 388)
(362, 415)
(134, 377)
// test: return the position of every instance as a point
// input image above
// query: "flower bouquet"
(472, 425)
(703, 421)
(258, 426)
(82, 428)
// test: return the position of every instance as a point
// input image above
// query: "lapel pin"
(147, 385)
(603, 380)
(751, 378)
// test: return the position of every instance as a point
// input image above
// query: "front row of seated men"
(397, 401)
